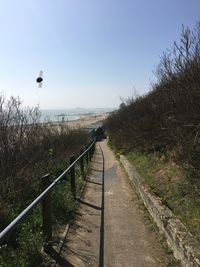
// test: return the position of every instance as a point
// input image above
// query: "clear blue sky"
(91, 51)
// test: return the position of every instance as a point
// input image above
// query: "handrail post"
(73, 181)
(82, 164)
(46, 214)
(89, 153)
(93, 149)
(86, 156)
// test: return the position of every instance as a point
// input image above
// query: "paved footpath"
(111, 229)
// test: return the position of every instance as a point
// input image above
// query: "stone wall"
(183, 244)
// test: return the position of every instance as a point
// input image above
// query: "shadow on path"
(89, 205)
(101, 247)
(92, 182)
(84, 241)
(94, 161)
(59, 259)
(95, 170)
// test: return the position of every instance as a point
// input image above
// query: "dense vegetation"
(165, 122)
(28, 150)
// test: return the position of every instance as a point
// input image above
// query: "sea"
(56, 115)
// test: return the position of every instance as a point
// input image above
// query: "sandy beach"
(84, 121)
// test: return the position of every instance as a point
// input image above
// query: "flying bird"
(39, 79)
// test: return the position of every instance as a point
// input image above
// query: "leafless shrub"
(169, 115)
(28, 150)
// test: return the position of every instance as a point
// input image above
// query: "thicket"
(160, 131)
(167, 118)
(28, 150)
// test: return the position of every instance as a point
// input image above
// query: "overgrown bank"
(168, 181)
(28, 150)
(160, 130)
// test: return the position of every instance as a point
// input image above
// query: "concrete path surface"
(111, 229)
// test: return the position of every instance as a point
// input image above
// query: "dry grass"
(169, 182)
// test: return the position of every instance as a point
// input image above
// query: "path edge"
(184, 245)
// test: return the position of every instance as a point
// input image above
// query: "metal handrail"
(25, 212)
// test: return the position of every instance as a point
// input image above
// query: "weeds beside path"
(168, 181)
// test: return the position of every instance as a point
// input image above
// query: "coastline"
(86, 120)
(82, 122)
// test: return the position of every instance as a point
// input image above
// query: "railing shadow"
(89, 205)
(101, 247)
(98, 162)
(93, 182)
(95, 170)
(58, 258)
